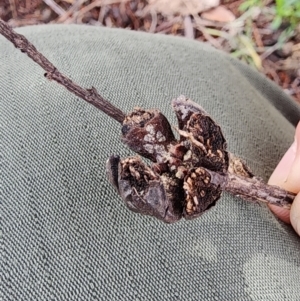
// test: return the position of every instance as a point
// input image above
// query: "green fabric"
(66, 235)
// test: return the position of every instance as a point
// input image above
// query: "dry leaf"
(182, 7)
(293, 61)
(219, 14)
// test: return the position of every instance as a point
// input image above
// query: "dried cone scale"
(188, 175)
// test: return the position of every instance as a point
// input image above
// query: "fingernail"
(293, 178)
(297, 136)
(294, 147)
(296, 226)
(297, 146)
(295, 214)
(282, 170)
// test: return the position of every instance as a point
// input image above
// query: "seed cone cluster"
(188, 175)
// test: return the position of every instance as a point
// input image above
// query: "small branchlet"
(188, 175)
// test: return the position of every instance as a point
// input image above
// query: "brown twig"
(13, 9)
(72, 9)
(153, 21)
(97, 3)
(188, 27)
(89, 95)
(165, 26)
(252, 189)
(55, 7)
(23, 22)
(257, 36)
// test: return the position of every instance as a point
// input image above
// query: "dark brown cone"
(200, 193)
(188, 176)
(146, 192)
(205, 137)
(184, 108)
(208, 143)
(148, 133)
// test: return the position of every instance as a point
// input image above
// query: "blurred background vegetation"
(263, 33)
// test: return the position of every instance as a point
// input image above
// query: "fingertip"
(297, 133)
(282, 213)
(280, 174)
(295, 214)
(286, 175)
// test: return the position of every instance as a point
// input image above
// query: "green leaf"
(244, 6)
(276, 22)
